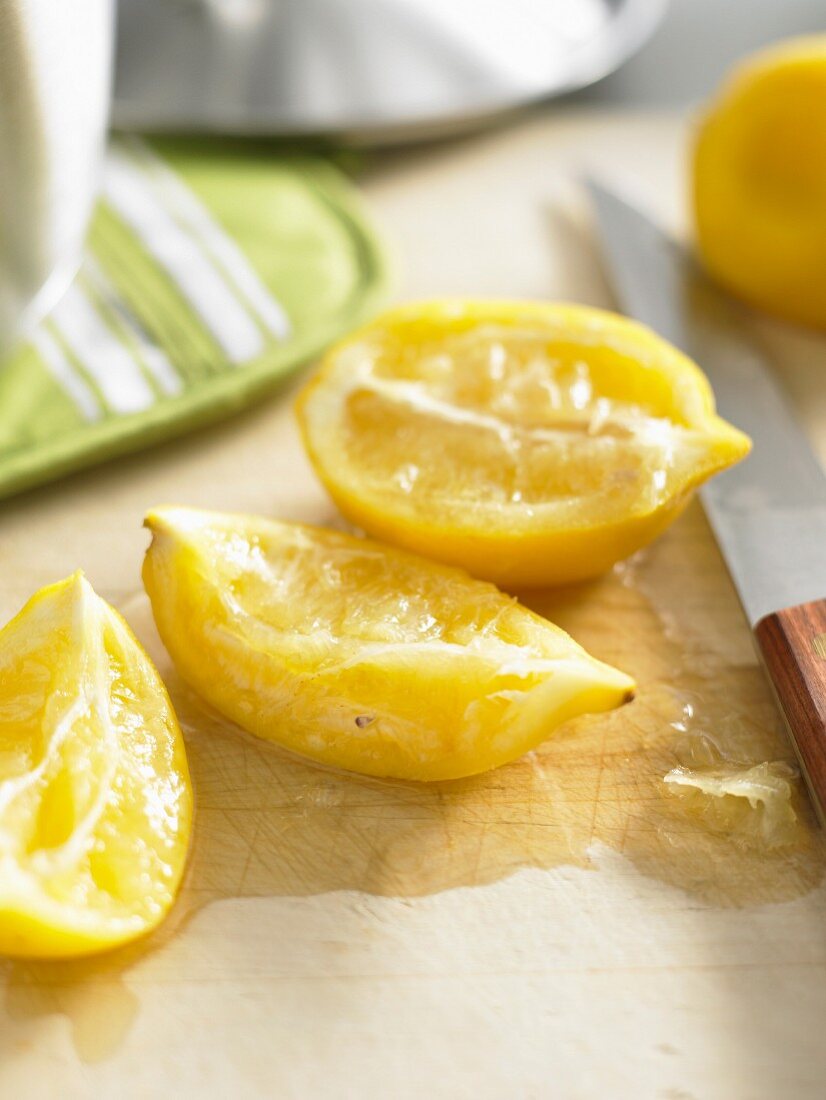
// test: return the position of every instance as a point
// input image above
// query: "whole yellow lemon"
(759, 182)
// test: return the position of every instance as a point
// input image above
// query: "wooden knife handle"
(792, 643)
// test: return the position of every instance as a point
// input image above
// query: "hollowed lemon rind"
(504, 544)
(273, 698)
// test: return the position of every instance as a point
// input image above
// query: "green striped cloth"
(210, 273)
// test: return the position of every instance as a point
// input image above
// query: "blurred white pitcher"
(55, 62)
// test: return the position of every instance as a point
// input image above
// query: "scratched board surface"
(561, 926)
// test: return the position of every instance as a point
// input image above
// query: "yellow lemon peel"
(759, 181)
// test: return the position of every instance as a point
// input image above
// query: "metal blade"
(768, 513)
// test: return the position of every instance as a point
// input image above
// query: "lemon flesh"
(759, 181)
(531, 444)
(753, 804)
(95, 798)
(359, 655)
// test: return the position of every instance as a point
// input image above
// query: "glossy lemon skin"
(759, 182)
(361, 656)
(524, 560)
(509, 544)
(95, 796)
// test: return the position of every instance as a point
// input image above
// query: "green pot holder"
(211, 272)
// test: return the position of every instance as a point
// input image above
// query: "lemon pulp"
(751, 803)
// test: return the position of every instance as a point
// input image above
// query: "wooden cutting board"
(559, 928)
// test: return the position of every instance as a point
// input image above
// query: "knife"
(769, 512)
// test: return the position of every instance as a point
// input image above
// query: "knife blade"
(768, 513)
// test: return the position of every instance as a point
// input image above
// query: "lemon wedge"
(95, 799)
(759, 181)
(531, 444)
(359, 655)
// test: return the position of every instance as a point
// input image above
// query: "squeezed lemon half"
(359, 655)
(95, 798)
(531, 444)
(759, 181)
